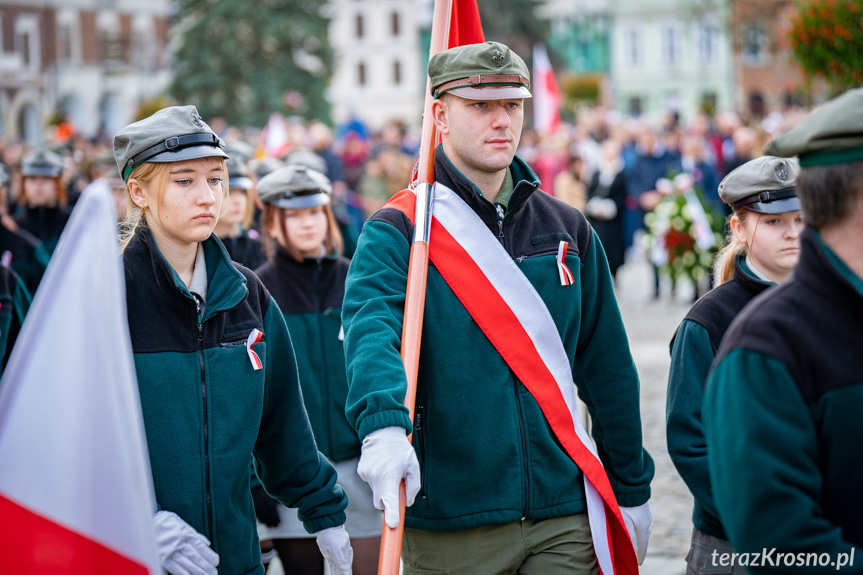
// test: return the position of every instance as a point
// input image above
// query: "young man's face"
(480, 135)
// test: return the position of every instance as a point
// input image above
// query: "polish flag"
(275, 136)
(546, 93)
(465, 26)
(76, 494)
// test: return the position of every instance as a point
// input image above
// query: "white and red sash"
(515, 319)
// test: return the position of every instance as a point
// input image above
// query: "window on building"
(64, 42)
(27, 40)
(632, 50)
(397, 72)
(708, 102)
(635, 106)
(361, 74)
(394, 23)
(360, 26)
(670, 45)
(754, 44)
(708, 44)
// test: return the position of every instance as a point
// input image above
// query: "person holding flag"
(500, 474)
(215, 366)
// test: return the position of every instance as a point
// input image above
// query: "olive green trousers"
(544, 547)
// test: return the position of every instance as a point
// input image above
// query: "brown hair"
(155, 176)
(273, 215)
(723, 266)
(62, 198)
(828, 193)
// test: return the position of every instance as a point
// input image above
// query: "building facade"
(671, 56)
(378, 73)
(90, 61)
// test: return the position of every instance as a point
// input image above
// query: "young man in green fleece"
(783, 407)
(490, 488)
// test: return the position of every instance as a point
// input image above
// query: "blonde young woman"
(43, 210)
(214, 361)
(763, 247)
(306, 275)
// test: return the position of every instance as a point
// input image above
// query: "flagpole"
(391, 539)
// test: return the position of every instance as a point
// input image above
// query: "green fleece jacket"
(207, 410)
(486, 452)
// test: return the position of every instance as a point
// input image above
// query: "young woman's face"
(235, 208)
(40, 191)
(773, 242)
(306, 229)
(187, 210)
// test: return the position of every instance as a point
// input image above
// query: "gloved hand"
(638, 520)
(386, 457)
(182, 550)
(266, 508)
(335, 546)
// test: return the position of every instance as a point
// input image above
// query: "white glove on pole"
(335, 546)
(182, 550)
(638, 520)
(387, 456)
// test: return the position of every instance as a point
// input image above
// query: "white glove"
(638, 520)
(387, 456)
(335, 546)
(182, 550)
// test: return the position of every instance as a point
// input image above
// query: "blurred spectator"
(568, 185)
(607, 203)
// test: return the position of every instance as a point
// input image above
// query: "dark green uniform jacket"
(14, 304)
(486, 452)
(29, 257)
(245, 250)
(206, 410)
(310, 294)
(783, 416)
(45, 223)
(693, 348)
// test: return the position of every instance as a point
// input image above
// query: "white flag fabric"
(76, 494)
(546, 93)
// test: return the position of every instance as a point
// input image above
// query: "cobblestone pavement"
(650, 323)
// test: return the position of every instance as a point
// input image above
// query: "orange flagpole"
(391, 539)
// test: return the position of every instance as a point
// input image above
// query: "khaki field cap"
(489, 71)
(294, 187)
(238, 176)
(832, 134)
(42, 162)
(767, 185)
(174, 134)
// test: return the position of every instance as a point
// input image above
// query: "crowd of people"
(272, 391)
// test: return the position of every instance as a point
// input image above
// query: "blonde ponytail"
(723, 266)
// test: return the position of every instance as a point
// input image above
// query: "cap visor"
(491, 93)
(190, 153)
(240, 182)
(776, 207)
(41, 172)
(299, 202)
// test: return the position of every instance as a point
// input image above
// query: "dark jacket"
(28, 256)
(611, 232)
(693, 348)
(45, 223)
(782, 415)
(486, 452)
(14, 304)
(206, 410)
(310, 295)
(245, 250)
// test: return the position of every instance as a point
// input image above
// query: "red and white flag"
(76, 494)
(546, 93)
(465, 26)
(274, 138)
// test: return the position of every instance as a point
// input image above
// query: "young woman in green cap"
(214, 361)
(306, 275)
(43, 212)
(763, 247)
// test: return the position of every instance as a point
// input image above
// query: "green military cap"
(238, 176)
(42, 162)
(173, 134)
(767, 185)
(489, 71)
(832, 134)
(295, 187)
